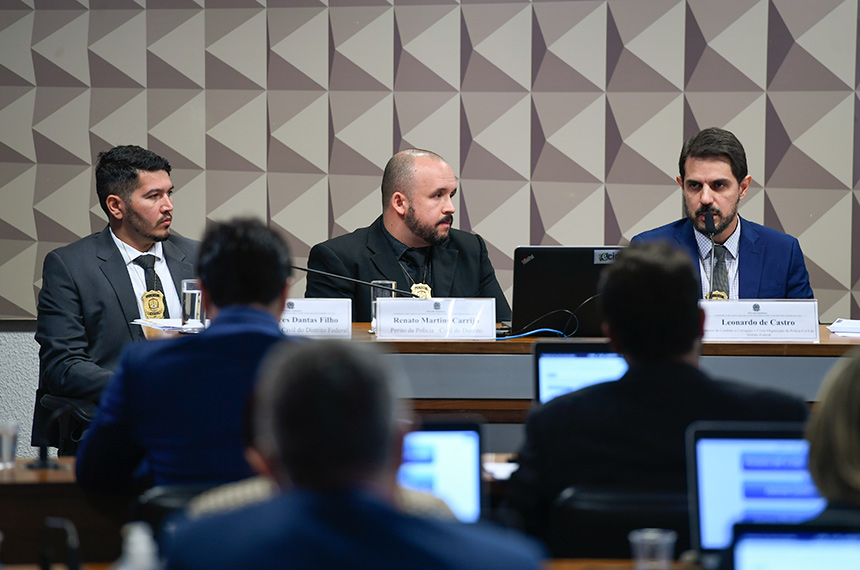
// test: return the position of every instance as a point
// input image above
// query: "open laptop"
(795, 547)
(751, 472)
(568, 366)
(444, 458)
(555, 288)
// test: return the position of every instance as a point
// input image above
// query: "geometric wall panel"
(563, 120)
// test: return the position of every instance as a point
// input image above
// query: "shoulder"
(663, 232)
(463, 240)
(345, 241)
(769, 235)
(83, 247)
(497, 547)
(183, 242)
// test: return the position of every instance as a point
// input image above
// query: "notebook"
(551, 282)
(795, 547)
(445, 459)
(563, 367)
(753, 472)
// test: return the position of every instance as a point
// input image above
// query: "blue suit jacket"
(179, 404)
(304, 530)
(770, 266)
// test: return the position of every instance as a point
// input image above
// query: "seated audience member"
(833, 432)
(751, 261)
(231, 496)
(177, 405)
(94, 288)
(330, 430)
(629, 434)
(412, 243)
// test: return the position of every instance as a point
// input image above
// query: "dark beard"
(723, 225)
(137, 222)
(428, 233)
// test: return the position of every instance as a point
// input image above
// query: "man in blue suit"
(330, 431)
(759, 263)
(172, 414)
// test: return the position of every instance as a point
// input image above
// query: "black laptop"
(746, 472)
(568, 366)
(444, 459)
(555, 289)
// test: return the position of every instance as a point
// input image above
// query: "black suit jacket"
(460, 266)
(629, 434)
(85, 310)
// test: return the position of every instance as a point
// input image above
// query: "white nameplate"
(438, 318)
(761, 320)
(318, 318)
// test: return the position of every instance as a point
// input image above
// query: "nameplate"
(433, 319)
(318, 318)
(757, 320)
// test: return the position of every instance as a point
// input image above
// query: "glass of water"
(8, 443)
(193, 313)
(384, 289)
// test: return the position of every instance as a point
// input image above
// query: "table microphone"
(351, 280)
(711, 229)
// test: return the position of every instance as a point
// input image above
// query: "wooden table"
(28, 496)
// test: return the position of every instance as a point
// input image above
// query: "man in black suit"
(95, 287)
(629, 434)
(412, 243)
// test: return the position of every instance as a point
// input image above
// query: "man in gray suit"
(95, 287)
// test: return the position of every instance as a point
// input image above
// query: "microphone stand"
(359, 281)
(711, 229)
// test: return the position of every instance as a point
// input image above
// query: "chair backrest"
(593, 522)
(157, 503)
(60, 422)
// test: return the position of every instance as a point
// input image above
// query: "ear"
(207, 302)
(607, 332)
(742, 187)
(400, 203)
(679, 181)
(258, 463)
(115, 206)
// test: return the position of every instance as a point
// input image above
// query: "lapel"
(382, 257)
(179, 268)
(751, 255)
(685, 238)
(444, 267)
(112, 265)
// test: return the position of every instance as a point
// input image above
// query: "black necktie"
(415, 260)
(720, 278)
(151, 277)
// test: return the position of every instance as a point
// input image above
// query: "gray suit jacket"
(85, 310)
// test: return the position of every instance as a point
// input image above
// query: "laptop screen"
(795, 547)
(444, 459)
(555, 288)
(562, 367)
(747, 472)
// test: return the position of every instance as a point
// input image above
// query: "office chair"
(60, 422)
(593, 522)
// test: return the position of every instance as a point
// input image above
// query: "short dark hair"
(117, 168)
(650, 298)
(326, 412)
(242, 262)
(399, 173)
(715, 142)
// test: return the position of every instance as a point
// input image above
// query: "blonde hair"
(833, 432)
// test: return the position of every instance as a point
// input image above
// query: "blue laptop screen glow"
(798, 550)
(752, 481)
(446, 463)
(560, 373)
